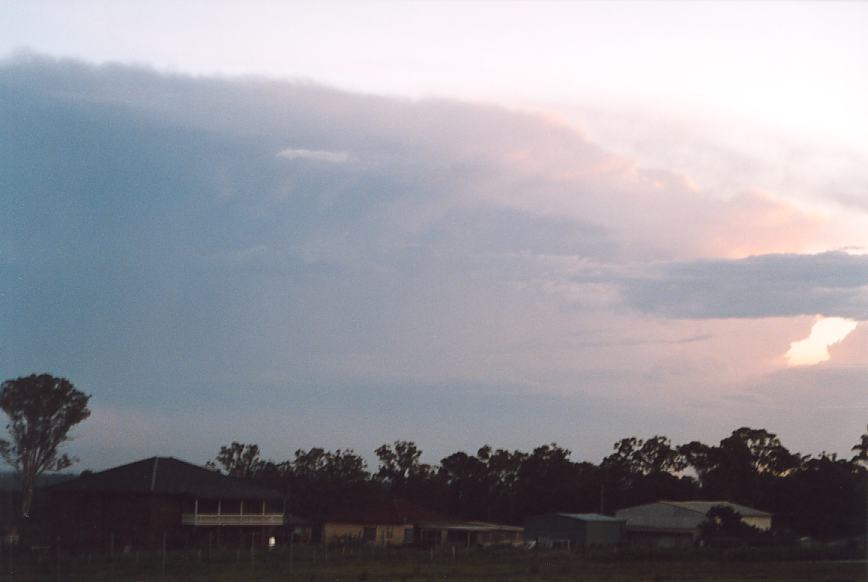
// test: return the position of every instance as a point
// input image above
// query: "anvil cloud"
(293, 252)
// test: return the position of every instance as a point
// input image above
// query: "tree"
(238, 460)
(546, 481)
(649, 457)
(41, 409)
(861, 449)
(700, 457)
(724, 521)
(503, 469)
(469, 483)
(322, 481)
(399, 465)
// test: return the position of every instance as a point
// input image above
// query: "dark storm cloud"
(169, 240)
(829, 284)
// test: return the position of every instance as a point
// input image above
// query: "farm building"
(299, 528)
(573, 530)
(135, 505)
(391, 523)
(467, 534)
(676, 523)
(401, 523)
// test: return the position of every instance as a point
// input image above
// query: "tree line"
(821, 496)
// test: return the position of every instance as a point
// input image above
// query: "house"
(143, 503)
(389, 523)
(573, 530)
(677, 523)
(300, 529)
(467, 533)
(401, 523)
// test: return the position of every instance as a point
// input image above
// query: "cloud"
(814, 349)
(153, 238)
(317, 155)
(424, 160)
(777, 285)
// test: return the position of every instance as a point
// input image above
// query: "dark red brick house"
(135, 505)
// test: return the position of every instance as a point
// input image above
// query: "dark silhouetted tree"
(401, 470)
(655, 455)
(547, 481)
(861, 449)
(503, 474)
(42, 409)
(724, 521)
(469, 483)
(319, 481)
(824, 497)
(699, 457)
(745, 467)
(238, 460)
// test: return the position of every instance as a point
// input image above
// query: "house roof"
(704, 506)
(166, 476)
(590, 517)
(395, 511)
(474, 526)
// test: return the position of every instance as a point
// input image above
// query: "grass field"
(312, 565)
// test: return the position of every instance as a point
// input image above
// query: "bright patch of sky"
(826, 332)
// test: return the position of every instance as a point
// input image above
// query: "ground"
(317, 565)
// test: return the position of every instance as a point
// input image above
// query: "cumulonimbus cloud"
(225, 229)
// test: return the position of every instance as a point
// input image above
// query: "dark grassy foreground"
(316, 565)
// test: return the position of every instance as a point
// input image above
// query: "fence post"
(57, 559)
(291, 554)
(163, 561)
(111, 556)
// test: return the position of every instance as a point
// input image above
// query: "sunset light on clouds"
(545, 221)
(815, 348)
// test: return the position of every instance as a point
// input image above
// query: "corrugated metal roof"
(589, 517)
(166, 476)
(704, 506)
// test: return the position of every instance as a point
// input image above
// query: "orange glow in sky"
(815, 348)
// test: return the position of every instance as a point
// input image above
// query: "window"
(369, 534)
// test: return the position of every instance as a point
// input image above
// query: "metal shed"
(573, 530)
(677, 523)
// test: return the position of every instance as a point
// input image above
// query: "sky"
(454, 223)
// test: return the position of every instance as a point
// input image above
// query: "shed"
(676, 523)
(389, 523)
(573, 530)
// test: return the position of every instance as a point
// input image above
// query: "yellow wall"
(387, 535)
(762, 523)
